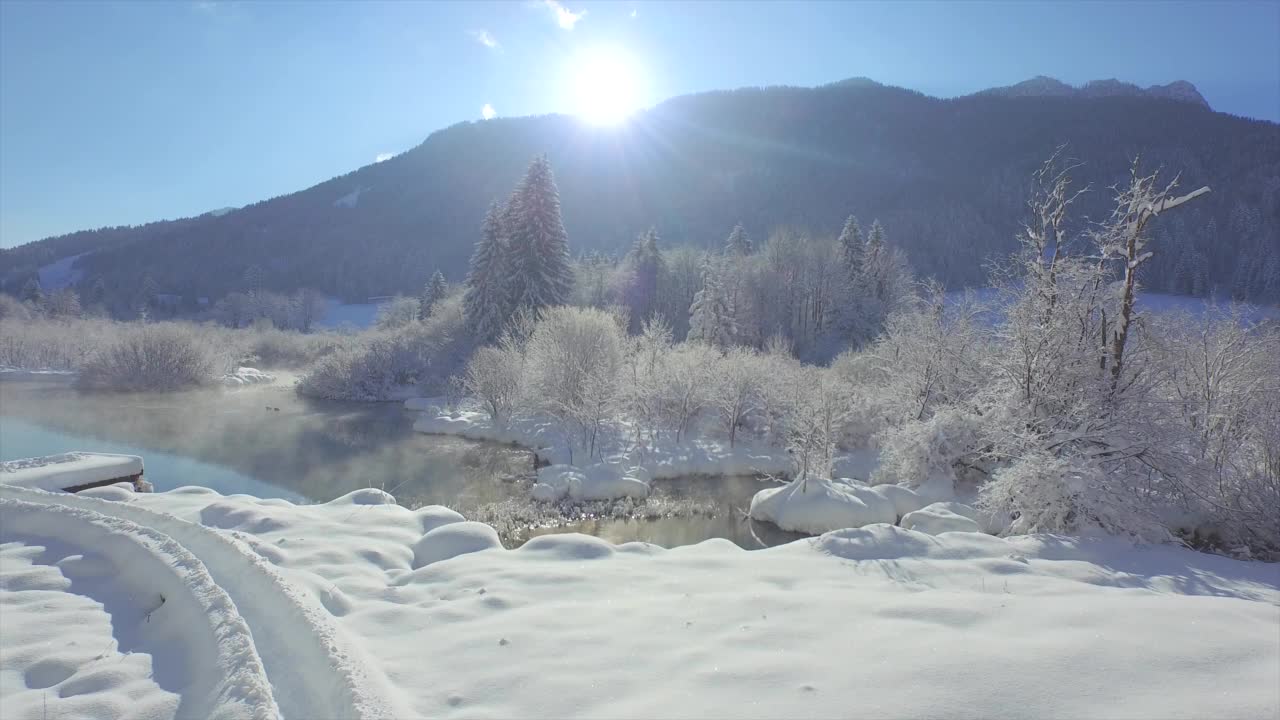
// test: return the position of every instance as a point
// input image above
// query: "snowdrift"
(362, 608)
(69, 470)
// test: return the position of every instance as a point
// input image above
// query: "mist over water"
(269, 442)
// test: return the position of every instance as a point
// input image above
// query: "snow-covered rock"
(942, 517)
(247, 376)
(816, 506)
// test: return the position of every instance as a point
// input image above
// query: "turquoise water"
(19, 439)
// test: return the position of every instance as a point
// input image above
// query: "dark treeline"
(947, 177)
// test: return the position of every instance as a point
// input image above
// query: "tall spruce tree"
(485, 300)
(738, 243)
(538, 272)
(875, 263)
(432, 293)
(645, 263)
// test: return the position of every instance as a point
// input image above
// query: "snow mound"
(452, 540)
(200, 645)
(816, 506)
(570, 546)
(247, 376)
(434, 516)
(601, 481)
(942, 517)
(68, 470)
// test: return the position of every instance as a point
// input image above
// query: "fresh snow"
(363, 608)
(66, 470)
(942, 517)
(247, 376)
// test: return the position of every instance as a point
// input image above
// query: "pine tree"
(645, 263)
(875, 265)
(432, 293)
(538, 272)
(485, 300)
(710, 317)
(851, 248)
(738, 243)
(31, 291)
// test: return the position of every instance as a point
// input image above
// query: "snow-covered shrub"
(493, 376)
(274, 348)
(919, 450)
(41, 344)
(738, 388)
(685, 385)
(159, 357)
(571, 364)
(639, 397)
(1046, 493)
(382, 364)
(397, 312)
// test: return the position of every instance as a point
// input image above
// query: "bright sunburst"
(607, 85)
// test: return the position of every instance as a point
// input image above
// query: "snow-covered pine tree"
(738, 243)
(874, 266)
(851, 248)
(538, 272)
(710, 317)
(432, 293)
(485, 300)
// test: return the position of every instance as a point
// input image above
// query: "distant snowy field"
(357, 316)
(362, 608)
(60, 274)
(1159, 303)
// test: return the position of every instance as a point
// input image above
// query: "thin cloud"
(487, 112)
(633, 14)
(486, 38)
(383, 156)
(565, 17)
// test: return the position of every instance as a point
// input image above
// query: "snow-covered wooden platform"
(72, 471)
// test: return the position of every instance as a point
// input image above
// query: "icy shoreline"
(422, 614)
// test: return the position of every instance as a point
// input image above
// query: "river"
(269, 442)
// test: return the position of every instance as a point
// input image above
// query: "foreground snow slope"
(68, 573)
(439, 621)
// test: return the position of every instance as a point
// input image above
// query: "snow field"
(160, 602)
(314, 670)
(439, 621)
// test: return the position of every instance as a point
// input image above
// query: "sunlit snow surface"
(363, 608)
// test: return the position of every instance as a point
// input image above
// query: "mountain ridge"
(946, 176)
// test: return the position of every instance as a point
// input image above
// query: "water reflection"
(268, 442)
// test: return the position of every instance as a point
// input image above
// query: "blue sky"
(121, 112)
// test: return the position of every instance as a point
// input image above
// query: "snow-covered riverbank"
(362, 608)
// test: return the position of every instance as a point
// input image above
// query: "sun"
(607, 85)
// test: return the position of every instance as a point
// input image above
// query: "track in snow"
(313, 670)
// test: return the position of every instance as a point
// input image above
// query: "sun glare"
(607, 86)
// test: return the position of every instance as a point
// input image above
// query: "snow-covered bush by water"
(159, 357)
(419, 357)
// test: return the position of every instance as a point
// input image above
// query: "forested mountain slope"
(947, 178)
